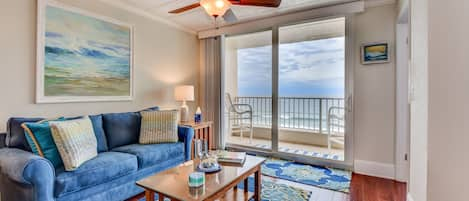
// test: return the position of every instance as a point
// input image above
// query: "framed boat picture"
(82, 56)
(374, 53)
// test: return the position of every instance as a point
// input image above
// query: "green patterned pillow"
(159, 127)
(75, 141)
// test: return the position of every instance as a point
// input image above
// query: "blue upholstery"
(152, 154)
(98, 129)
(15, 134)
(121, 188)
(121, 128)
(29, 170)
(106, 167)
(2, 139)
(185, 135)
(110, 176)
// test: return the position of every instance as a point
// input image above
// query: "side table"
(202, 131)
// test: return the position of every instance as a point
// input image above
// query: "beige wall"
(448, 100)
(164, 57)
(374, 89)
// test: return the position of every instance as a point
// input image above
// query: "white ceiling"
(198, 20)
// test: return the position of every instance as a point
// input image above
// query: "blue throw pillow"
(39, 137)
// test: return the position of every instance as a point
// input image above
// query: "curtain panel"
(211, 85)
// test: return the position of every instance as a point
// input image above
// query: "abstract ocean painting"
(85, 56)
(375, 53)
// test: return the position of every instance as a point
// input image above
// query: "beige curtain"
(211, 82)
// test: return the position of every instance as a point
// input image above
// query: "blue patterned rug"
(329, 178)
(272, 191)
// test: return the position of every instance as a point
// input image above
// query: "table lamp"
(184, 93)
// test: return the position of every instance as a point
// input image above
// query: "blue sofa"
(121, 161)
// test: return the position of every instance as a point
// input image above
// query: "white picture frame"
(376, 57)
(40, 56)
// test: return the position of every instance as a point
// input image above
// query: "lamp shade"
(184, 93)
(215, 7)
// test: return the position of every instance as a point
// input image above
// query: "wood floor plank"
(367, 188)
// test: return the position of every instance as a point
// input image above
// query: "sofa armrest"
(28, 169)
(186, 134)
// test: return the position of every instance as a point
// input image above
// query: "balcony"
(312, 126)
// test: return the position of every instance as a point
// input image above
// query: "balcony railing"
(296, 112)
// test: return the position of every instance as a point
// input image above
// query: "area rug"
(303, 152)
(274, 191)
(329, 178)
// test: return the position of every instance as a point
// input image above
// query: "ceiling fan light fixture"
(215, 7)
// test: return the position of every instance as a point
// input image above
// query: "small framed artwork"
(82, 56)
(375, 53)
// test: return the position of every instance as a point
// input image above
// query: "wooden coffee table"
(222, 185)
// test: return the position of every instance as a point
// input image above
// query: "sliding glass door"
(312, 89)
(248, 90)
(293, 84)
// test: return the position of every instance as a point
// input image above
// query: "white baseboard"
(383, 170)
(409, 197)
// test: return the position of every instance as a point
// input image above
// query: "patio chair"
(335, 119)
(239, 117)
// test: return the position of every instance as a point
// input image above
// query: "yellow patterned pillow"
(75, 141)
(159, 127)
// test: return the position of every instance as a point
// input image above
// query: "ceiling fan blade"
(229, 16)
(264, 3)
(185, 8)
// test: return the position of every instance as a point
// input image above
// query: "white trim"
(402, 105)
(376, 3)
(148, 15)
(371, 168)
(267, 23)
(40, 54)
(409, 197)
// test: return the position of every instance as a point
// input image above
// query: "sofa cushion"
(98, 129)
(75, 140)
(159, 127)
(97, 121)
(152, 154)
(15, 133)
(106, 167)
(121, 128)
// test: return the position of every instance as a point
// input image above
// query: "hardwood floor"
(362, 188)
(367, 188)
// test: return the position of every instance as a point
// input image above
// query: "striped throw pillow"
(159, 127)
(75, 141)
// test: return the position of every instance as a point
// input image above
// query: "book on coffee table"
(231, 157)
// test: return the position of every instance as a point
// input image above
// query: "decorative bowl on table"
(209, 163)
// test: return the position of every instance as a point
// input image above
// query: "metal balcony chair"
(335, 119)
(238, 114)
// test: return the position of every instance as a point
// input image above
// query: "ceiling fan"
(222, 8)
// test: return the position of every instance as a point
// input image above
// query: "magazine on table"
(231, 157)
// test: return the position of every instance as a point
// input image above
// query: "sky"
(307, 69)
